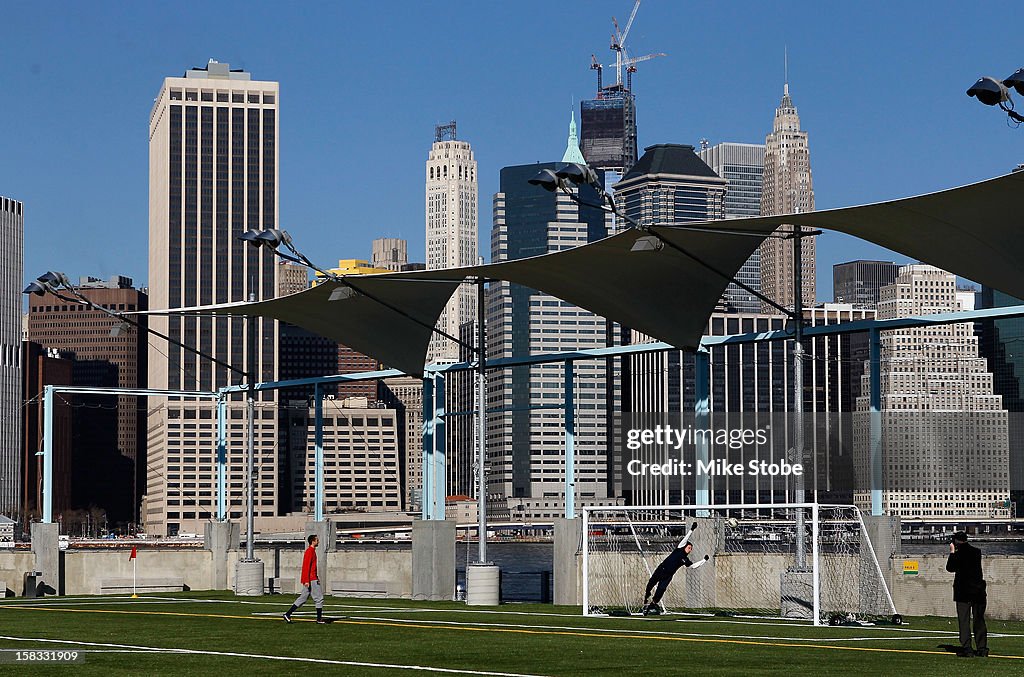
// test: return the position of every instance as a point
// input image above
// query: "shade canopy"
(369, 322)
(974, 231)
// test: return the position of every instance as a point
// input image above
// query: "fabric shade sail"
(974, 231)
(368, 321)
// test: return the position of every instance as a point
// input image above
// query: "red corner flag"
(133, 555)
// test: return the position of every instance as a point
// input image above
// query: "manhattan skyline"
(887, 112)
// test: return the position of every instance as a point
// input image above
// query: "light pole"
(993, 92)
(654, 241)
(483, 577)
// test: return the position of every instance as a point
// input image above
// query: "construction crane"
(630, 64)
(595, 65)
(622, 58)
(619, 42)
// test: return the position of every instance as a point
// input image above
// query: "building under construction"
(608, 122)
(608, 129)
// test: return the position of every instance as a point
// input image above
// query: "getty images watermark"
(677, 441)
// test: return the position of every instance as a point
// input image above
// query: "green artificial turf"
(512, 639)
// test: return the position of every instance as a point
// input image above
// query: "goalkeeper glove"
(707, 557)
(693, 526)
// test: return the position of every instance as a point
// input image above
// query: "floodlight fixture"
(989, 91)
(647, 243)
(1016, 81)
(55, 279)
(120, 329)
(251, 236)
(274, 238)
(547, 180)
(36, 288)
(342, 293)
(578, 174)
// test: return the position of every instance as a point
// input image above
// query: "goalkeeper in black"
(662, 576)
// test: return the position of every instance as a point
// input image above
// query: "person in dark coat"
(662, 576)
(969, 594)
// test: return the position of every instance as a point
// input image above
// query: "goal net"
(804, 561)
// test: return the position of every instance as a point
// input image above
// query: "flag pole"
(135, 561)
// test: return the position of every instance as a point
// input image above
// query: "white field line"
(620, 631)
(867, 628)
(694, 618)
(362, 664)
(113, 601)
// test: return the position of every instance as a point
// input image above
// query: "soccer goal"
(804, 561)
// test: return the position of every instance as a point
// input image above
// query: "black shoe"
(981, 653)
(965, 653)
(321, 621)
(287, 618)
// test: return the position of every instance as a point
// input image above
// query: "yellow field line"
(523, 631)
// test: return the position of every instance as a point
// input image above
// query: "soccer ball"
(732, 522)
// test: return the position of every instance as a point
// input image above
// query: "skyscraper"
(1001, 343)
(525, 436)
(390, 253)
(749, 385)
(404, 394)
(860, 282)
(42, 367)
(608, 138)
(12, 230)
(213, 174)
(944, 431)
(742, 165)
(451, 218)
(109, 445)
(670, 185)
(787, 189)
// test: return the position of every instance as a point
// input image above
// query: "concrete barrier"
(113, 586)
(85, 571)
(13, 566)
(930, 592)
(369, 589)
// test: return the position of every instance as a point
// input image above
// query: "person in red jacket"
(310, 583)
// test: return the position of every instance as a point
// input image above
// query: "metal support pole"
(439, 483)
(701, 413)
(222, 457)
(875, 423)
(48, 454)
(798, 391)
(570, 443)
(481, 403)
(427, 457)
(815, 567)
(250, 510)
(318, 454)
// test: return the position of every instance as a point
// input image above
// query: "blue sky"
(879, 87)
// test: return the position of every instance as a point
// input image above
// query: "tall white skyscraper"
(451, 218)
(213, 174)
(12, 229)
(945, 447)
(787, 189)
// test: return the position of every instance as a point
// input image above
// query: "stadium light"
(579, 174)
(547, 180)
(59, 286)
(279, 242)
(993, 92)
